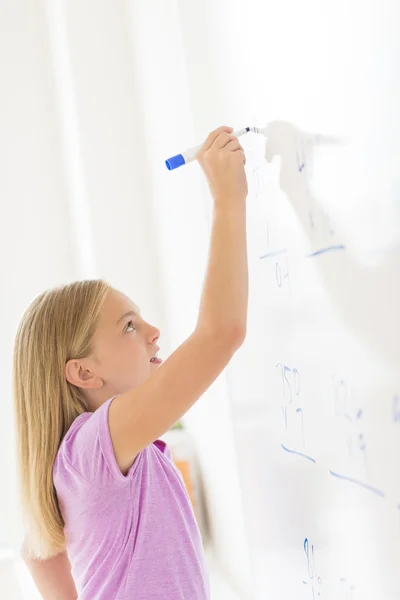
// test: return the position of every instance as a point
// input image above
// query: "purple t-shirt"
(128, 537)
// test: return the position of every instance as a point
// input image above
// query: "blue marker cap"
(174, 162)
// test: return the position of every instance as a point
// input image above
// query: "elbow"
(236, 336)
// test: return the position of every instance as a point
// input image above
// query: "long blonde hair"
(57, 326)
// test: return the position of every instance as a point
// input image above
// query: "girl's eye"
(130, 326)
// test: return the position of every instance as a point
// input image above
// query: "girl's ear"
(81, 377)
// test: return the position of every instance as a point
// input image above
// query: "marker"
(190, 154)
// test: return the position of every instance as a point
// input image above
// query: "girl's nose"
(154, 334)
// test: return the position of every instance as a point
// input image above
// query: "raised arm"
(139, 417)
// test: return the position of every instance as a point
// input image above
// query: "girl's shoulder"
(76, 426)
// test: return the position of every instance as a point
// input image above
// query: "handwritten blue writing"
(296, 453)
(314, 580)
(274, 253)
(366, 486)
(343, 409)
(327, 249)
(300, 157)
(282, 271)
(293, 415)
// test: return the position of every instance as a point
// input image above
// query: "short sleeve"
(88, 449)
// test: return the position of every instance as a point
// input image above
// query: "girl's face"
(124, 343)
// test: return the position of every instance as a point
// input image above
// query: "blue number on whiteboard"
(300, 158)
(282, 271)
(355, 440)
(314, 580)
(290, 384)
(341, 400)
(292, 413)
(299, 412)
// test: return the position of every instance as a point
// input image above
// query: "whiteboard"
(315, 389)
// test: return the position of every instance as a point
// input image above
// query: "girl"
(107, 513)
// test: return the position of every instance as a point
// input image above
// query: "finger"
(241, 153)
(222, 140)
(233, 145)
(213, 136)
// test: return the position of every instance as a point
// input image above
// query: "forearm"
(53, 577)
(225, 291)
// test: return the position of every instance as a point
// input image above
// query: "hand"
(222, 160)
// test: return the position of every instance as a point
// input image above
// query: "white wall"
(73, 189)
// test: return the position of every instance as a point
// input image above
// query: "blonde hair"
(57, 326)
